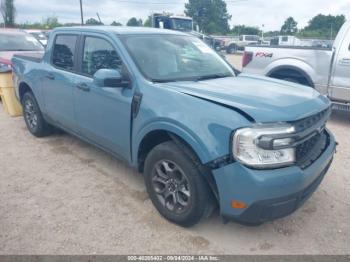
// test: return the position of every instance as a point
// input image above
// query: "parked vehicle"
(39, 35)
(184, 24)
(326, 70)
(15, 41)
(172, 22)
(287, 40)
(243, 41)
(177, 112)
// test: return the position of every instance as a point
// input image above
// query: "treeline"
(211, 17)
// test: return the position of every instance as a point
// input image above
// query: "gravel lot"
(62, 196)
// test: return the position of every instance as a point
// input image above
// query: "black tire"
(200, 201)
(232, 49)
(33, 117)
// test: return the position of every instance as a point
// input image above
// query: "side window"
(99, 54)
(64, 51)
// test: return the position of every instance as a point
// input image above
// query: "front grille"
(311, 121)
(309, 151)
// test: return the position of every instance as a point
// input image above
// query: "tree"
(289, 27)
(245, 30)
(210, 15)
(8, 12)
(50, 22)
(93, 21)
(148, 22)
(134, 22)
(114, 23)
(327, 25)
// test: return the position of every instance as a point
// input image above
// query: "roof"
(181, 17)
(122, 30)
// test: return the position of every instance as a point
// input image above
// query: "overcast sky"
(271, 13)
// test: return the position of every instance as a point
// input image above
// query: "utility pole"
(81, 12)
(99, 19)
(331, 31)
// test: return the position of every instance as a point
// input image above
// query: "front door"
(59, 79)
(340, 84)
(103, 113)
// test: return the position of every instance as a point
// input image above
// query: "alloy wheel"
(171, 186)
(30, 114)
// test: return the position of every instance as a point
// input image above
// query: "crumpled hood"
(263, 99)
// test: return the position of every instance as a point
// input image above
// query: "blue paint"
(202, 113)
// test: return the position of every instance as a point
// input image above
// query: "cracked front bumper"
(269, 194)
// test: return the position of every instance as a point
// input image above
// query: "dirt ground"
(59, 195)
(235, 60)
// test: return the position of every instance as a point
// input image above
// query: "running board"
(341, 106)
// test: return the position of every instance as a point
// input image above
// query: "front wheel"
(35, 122)
(175, 185)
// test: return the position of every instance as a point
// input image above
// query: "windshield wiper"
(173, 80)
(213, 76)
(163, 80)
(194, 78)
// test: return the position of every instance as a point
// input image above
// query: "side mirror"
(110, 78)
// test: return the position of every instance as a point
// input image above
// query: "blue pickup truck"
(202, 134)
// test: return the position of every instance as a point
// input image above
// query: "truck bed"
(293, 47)
(310, 64)
(36, 57)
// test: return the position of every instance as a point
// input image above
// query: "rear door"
(59, 79)
(103, 113)
(340, 84)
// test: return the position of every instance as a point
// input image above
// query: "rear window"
(64, 51)
(19, 42)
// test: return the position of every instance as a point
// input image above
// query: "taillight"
(247, 58)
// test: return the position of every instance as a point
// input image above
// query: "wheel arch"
(292, 71)
(155, 137)
(23, 87)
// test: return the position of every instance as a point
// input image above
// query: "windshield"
(19, 42)
(167, 58)
(182, 24)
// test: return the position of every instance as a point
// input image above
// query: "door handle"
(83, 87)
(50, 76)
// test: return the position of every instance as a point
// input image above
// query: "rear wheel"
(35, 122)
(232, 49)
(175, 185)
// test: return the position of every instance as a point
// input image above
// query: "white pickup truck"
(239, 44)
(325, 69)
